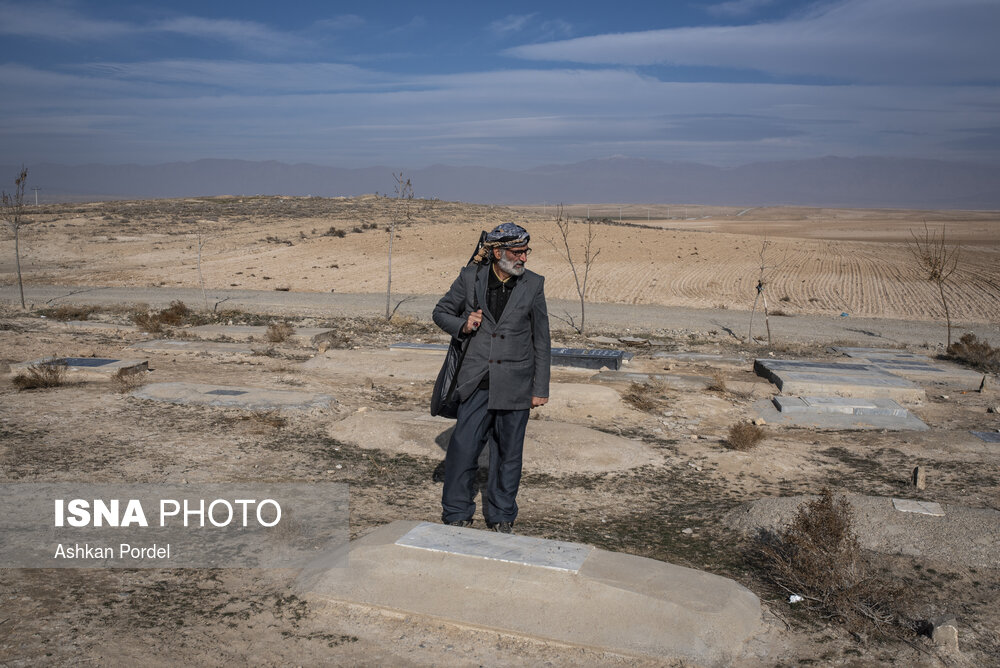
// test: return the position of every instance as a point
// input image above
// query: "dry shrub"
(125, 381)
(266, 421)
(36, 376)
(70, 312)
(148, 322)
(644, 396)
(818, 557)
(744, 436)
(977, 354)
(278, 332)
(153, 322)
(175, 314)
(718, 383)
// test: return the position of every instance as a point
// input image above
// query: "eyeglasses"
(518, 251)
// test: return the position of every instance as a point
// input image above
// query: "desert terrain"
(668, 502)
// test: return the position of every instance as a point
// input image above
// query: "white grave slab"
(921, 507)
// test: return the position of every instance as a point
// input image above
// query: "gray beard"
(508, 266)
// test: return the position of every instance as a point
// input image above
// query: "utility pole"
(36, 189)
(619, 214)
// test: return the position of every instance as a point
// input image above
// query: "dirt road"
(616, 319)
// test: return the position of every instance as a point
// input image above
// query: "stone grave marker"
(861, 380)
(250, 398)
(568, 593)
(87, 368)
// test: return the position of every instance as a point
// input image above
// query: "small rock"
(943, 631)
(759, 421)
(339, 466)
(919, 477)
(688, 531)
(993, 409)
(945, 396)
(693, 437)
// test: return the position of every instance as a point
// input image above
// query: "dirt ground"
(90, 432)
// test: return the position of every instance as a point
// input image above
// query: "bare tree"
(13, 214)
(764, 273)
(201, 278)
(581, 268)
(937, 261)
(403, 211)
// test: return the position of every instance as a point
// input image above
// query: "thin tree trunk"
(947, 313)
(388, 286)
(767, 323)
(752, 312)
(17, 259)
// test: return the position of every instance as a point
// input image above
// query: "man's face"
(511, 260)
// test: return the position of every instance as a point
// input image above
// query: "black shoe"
(459, 523)
(501, 527)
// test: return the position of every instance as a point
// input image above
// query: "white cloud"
(737, 8)
(853, 40)
(57, 22)
(512, 23)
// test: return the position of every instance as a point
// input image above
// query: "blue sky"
(514, 85)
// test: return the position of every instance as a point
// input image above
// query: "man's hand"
(539, 401)
(472, 324)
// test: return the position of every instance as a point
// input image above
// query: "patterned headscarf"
(505, 235)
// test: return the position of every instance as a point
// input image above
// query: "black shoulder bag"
(444, 402)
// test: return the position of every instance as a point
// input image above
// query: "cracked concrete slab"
(300, 336)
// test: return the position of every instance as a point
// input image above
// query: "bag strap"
(465, 342)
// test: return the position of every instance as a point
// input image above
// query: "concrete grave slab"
(840, 379)
(587, 358)
(577, 401)
(250, 398)
(193, 347)
(964, 535)
(300, 336)
(356, 365)
(825, 413)
(839, 405)
(616, 602)
(86, 368)
(921, 507)
(987, 436)
(674, 381)
(549, 446)
(918, 368)
(96, 326)
(711, 359)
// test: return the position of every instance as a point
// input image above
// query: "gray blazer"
(514, 350)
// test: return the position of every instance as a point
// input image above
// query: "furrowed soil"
(830, 261)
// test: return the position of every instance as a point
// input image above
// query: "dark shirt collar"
(495, 281)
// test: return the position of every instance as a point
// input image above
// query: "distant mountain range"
(830, 181)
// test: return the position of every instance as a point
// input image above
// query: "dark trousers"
(505, 432)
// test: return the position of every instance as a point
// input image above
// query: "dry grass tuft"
(644, 396)
(148, 321)
(71, 312)
(39, 376)
(125, 381)
(278, 332)
(744, 436)
(818, 557)
(266, 421)
(977, 354)
(718, 383)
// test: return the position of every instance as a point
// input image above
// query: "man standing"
(501, 306)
